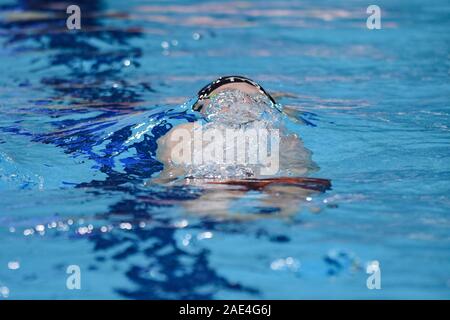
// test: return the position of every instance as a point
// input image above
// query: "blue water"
(72, 194)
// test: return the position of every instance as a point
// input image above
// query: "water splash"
(234, 108)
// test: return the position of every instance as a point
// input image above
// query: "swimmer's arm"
(294, 156)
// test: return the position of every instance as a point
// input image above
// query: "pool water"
(375, 112)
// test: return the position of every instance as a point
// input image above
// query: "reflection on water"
(80, 114)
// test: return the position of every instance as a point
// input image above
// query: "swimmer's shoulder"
(167, 142)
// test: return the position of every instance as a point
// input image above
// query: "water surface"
(377, 111)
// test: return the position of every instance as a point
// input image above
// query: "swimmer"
(236, 102)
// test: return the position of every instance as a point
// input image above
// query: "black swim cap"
(205, 92)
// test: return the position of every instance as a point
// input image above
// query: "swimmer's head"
(234, 99)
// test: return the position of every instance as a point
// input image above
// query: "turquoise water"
(378, 104)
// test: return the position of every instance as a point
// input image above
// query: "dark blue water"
(74, 192)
